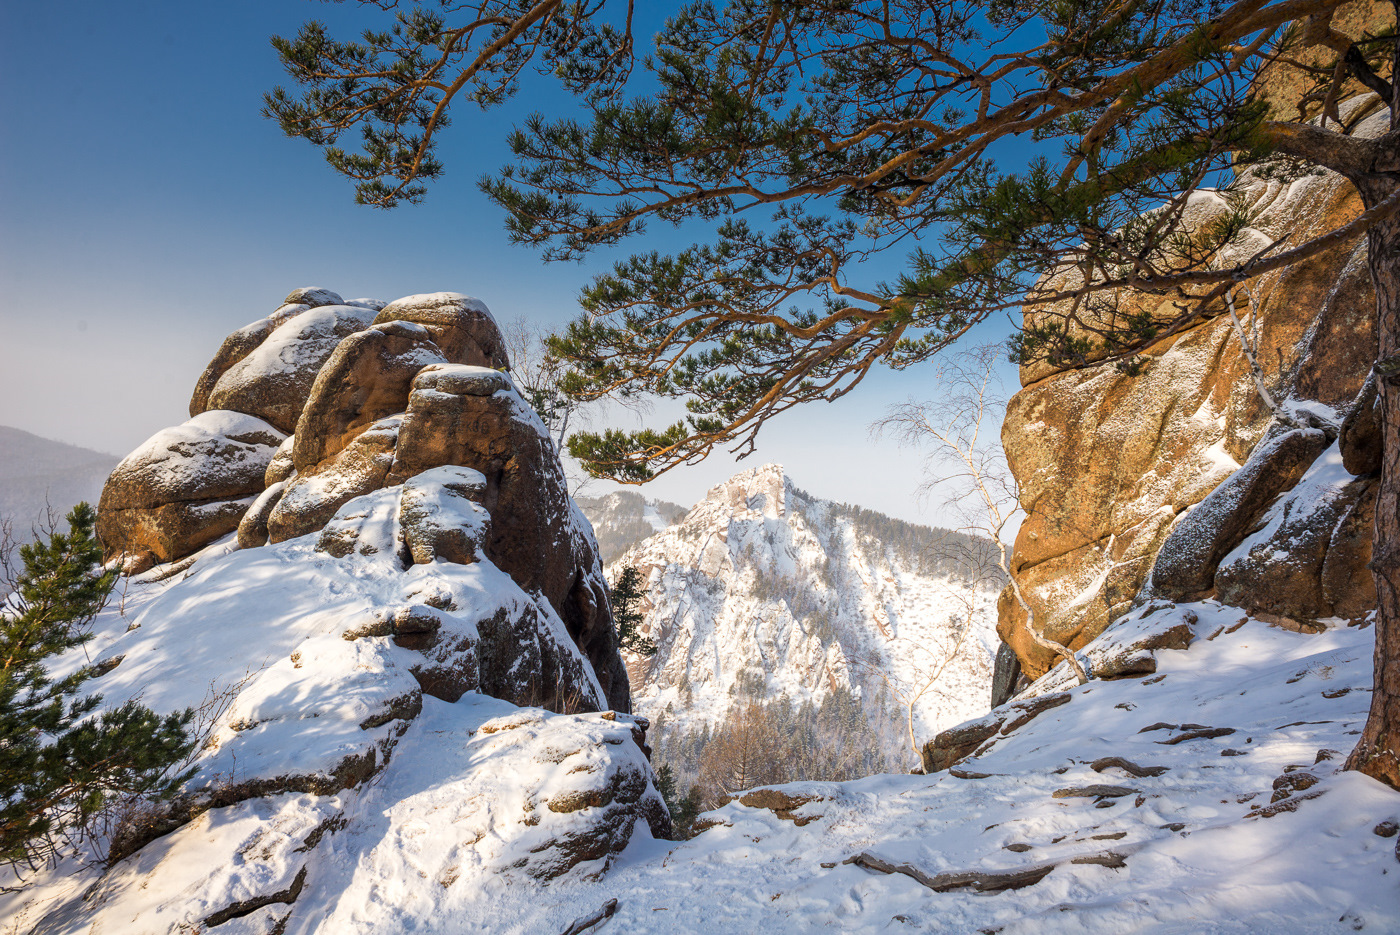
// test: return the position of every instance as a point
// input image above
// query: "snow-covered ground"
(338, 794)
(1201, 847)
(442, 840)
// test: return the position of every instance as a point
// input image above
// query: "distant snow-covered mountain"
(624, 518)
(764, 593)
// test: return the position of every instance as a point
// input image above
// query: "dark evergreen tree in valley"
(626, 598)
(683, 808)
(62, 761)
(1003, 139)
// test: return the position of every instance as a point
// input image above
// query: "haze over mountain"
(38, 473)
(623, 518)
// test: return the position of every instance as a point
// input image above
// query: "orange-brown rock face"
(185, 486)
(472, 416)
(312, 496)
(460, 326)
(272, 380)
(366, 379)
(1108, 463)
(376, 395)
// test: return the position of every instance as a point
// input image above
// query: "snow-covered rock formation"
(1126, 476)
(323, 402)
(1204, 798)
(765, 589)
(403, 663)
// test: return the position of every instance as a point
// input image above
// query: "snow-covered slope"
(1204, 799)
(764, 589)
(347, 705)
(1253, 830)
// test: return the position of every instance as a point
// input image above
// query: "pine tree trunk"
(1378, 752)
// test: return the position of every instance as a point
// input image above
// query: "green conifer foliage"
(62, 762)
(626, 597)
(683, 809)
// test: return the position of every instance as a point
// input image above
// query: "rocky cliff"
(323, 402)
(1170, 481)
(359, 563)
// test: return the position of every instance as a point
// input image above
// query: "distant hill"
(37, 473)
(622, 519)
(825, 615)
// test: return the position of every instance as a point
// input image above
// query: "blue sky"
(147, 209)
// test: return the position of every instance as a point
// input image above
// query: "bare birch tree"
(982, 488)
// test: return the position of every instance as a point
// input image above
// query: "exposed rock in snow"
(442, 516)
(281, 467)
(313, 658)
(186, 486)
(423, 544)
(379, 393)
(763, 585)
(1206, 798)
(1186, 563)
(272, 380)
(247, 339)
(366, 379)
(480, 795)
(474, 417)
(1307, 559)
(313, 496)
(252, 528)
(312, 297)
(1106, 461)
(1361, 440)
(462, 327)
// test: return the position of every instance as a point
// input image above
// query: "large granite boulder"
(1306, 561)
(462, 327)
(474, 417)
(412, 593)
(246, 339)
(312, 496)
(364, 380)
(273, 379)
(185, 486)
(1185, 569)
(407, 397)
(1143, 448)
(1361, 438)
(442, 516)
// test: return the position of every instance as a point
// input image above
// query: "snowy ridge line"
(767, 591)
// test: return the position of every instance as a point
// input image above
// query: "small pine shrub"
(62, 762)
